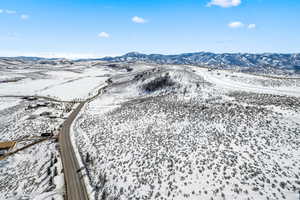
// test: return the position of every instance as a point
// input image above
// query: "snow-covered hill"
(183, 132)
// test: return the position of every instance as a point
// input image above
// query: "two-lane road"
(75, 186)
(74, 182)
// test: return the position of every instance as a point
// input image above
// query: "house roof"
(7, 145)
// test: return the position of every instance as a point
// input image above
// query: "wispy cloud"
(236, 24)
(11, 12)
(10, 36)
(24, 17)
(138, 20)
(224, 3)
(251, 26)
(103, 35)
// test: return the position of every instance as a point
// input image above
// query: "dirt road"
(39, 97)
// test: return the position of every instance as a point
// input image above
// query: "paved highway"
(75, 186)
(74, 182)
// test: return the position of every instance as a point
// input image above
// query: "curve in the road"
(74, 182)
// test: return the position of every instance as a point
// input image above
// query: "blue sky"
(95, 28)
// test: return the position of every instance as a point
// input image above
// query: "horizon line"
(78, 56)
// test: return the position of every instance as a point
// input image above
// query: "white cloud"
(252, 26)
(236, 25)
(10, 11)
(24, 17)
(224, 3)
(103, 35)
(138, 20)
(1, 11)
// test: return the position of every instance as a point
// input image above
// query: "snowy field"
(8, 102)
(251, 83)
(34, 173)
(179, 132)
(64, 82)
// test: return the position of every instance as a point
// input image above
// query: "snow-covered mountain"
(264, 63)
(224, 60)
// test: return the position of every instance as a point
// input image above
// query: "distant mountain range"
(266, 62)
(224, 60)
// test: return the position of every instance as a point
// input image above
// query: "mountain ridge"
(251, 62)
(245, 61)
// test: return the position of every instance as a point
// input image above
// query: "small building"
(48, 134)
(46, 113)
(38, 104)
(53, 116)
(6, 147)
(32, 106)
(42, 103)
(31, 98)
